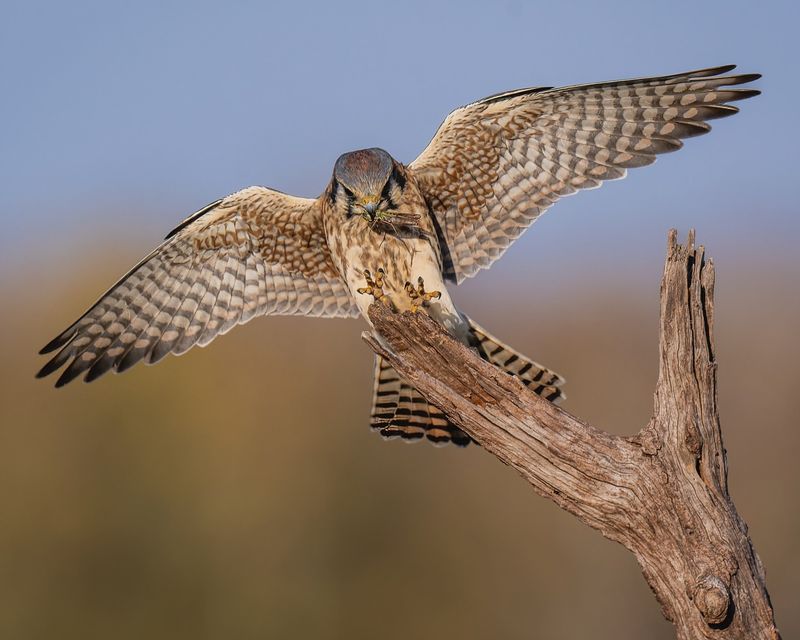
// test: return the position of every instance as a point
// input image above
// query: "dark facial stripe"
(338, 190)
(396, 180)
(386, 194)
(399, 178)
(332, 192)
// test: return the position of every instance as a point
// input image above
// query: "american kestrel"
(394, 233)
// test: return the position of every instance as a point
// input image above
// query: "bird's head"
(369, 183)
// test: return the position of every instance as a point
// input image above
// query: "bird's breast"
(402, 259)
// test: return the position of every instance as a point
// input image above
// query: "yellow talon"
(374, 287)
(419, 297)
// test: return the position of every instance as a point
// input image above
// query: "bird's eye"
(349, 199)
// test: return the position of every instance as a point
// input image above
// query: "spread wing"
(496, 165)
(253, 253)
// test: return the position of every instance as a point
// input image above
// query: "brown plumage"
(492, 168)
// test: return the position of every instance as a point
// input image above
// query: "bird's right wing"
(255, 252)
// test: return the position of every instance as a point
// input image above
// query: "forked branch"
(662, 493)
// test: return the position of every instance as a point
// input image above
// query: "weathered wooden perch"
(662, 493)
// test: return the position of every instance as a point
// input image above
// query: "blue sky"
(118, 119)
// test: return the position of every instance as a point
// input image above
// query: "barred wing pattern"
(496, 165)
(253, 253)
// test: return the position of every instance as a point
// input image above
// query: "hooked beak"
(370, 207)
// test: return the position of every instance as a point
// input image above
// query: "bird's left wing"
(255, 252)
(495, 165)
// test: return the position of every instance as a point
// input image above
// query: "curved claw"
(374, 286)
(419, 297)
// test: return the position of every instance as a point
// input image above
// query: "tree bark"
(662, 493)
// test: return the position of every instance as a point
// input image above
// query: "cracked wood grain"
(662, 493)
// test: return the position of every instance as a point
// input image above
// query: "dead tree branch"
(662, 493)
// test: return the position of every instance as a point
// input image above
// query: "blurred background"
(207, 497)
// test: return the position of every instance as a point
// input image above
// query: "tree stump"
(661, 493)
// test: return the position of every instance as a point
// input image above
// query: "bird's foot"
(374, 287)
(419, 297)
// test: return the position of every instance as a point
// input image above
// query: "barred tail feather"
(539, 379)
(400, 411)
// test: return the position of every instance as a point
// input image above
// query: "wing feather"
(496, 165)
(255, 252)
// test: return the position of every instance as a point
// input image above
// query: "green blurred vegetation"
(237, 492)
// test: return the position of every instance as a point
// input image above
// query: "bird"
(397, 234)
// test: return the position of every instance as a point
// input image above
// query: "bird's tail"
(400, 411)
(536, 377)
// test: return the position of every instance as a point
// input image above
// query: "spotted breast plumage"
(394, 234)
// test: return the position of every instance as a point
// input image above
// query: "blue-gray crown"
(364, 172)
